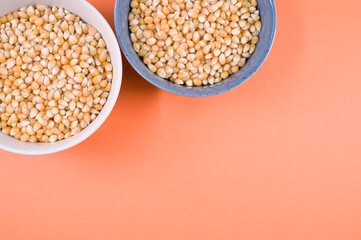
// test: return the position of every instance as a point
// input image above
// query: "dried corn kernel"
(201, 41)
(54, 71)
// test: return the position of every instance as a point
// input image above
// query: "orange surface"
(277, 158)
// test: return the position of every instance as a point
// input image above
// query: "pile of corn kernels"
(55, 74)
(194, 42)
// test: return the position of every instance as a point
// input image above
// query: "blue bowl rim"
(186, 90)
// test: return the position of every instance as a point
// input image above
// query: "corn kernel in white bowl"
(89, 15)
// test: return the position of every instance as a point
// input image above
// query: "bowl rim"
(184, 91)
(104, 113)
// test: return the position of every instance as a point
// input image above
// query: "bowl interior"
(268, 17)
(91, 16)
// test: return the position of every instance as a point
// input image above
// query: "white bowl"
(91, 16)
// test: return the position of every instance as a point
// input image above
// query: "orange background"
(277, 158)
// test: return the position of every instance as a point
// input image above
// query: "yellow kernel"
(97, 79)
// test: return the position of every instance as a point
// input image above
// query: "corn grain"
(194, 42)
(54, 68)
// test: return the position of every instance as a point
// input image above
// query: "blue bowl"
(268, 17)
